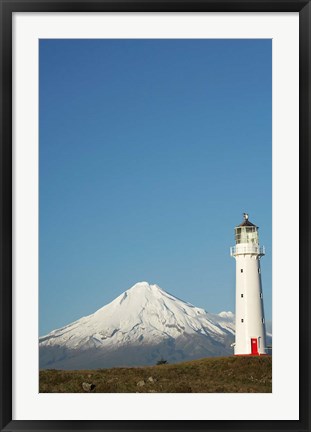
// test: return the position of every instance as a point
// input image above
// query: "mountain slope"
(139, 327)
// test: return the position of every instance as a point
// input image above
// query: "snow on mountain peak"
(143, 286)
(140, 285)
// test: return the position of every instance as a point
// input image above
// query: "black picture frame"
(7, 9)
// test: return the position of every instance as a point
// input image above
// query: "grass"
(209, 375)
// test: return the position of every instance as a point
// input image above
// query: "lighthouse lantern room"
(250, 329)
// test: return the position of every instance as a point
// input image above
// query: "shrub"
(161, 361)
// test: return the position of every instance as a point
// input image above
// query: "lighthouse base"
(253, 346)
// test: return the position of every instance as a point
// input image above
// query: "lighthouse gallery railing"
(247, 249)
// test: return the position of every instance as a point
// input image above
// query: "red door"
(254, 344)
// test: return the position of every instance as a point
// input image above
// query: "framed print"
(155, 215)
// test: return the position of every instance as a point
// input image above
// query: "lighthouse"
(250, 329)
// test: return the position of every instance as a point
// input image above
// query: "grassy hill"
(209, 375)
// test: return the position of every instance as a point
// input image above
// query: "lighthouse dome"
(246, 221)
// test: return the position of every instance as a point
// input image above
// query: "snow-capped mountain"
(141, 326)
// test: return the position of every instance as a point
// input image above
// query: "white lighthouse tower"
(250, 329)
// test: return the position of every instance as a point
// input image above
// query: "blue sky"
(150, 151)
